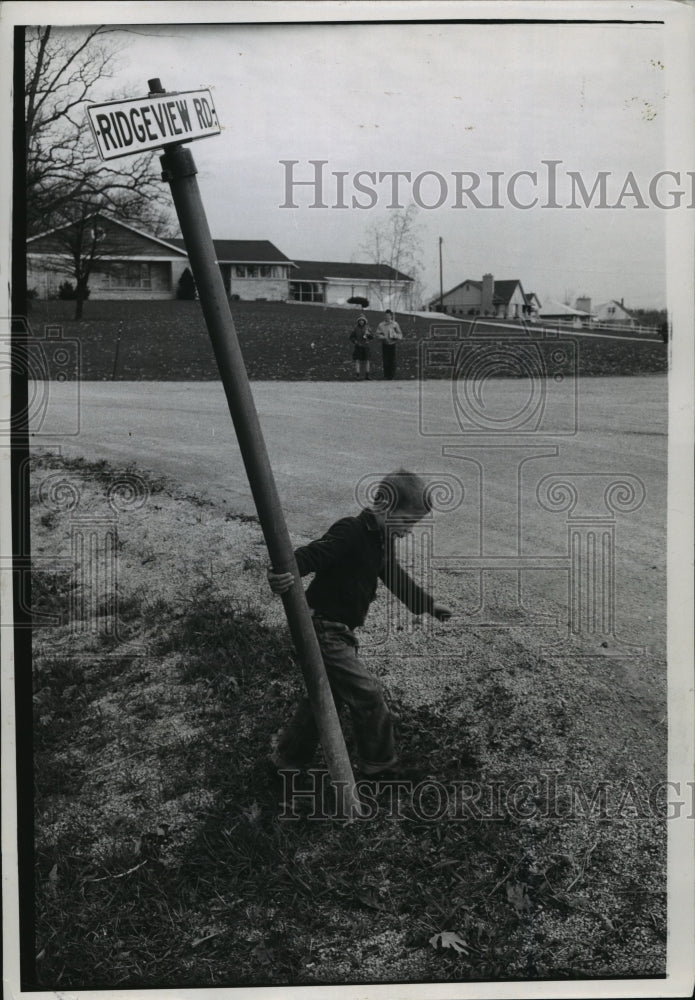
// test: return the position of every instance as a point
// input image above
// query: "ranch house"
(131, 264)
(127, 263)
(251, 269)
(334, 283)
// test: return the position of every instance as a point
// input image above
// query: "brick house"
(251, 269)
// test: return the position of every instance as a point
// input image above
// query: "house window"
(255, 271)
(611, 310)
(133, 275)
(306, 291)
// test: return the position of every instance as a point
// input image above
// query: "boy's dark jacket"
(348, 560)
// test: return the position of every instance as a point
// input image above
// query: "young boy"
(389, 332)
(348, 560)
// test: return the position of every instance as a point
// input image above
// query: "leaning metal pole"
(178, 168)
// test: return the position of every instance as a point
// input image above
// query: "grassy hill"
(164, 341)
(165, 859)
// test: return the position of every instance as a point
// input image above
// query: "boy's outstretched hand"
(441, 613)
(279, 583)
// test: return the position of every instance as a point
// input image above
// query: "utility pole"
(441, 282)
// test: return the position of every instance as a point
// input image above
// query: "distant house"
(554, 311)
(501, 299)
(333, 283)
(128, 263)
(533, 305)
(251, 269)
(615, 313)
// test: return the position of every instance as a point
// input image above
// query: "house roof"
(244, 251)
(111, 221)
(468, 281)
(614, 302)
(553, 308)
(317, 270)
(503, 290)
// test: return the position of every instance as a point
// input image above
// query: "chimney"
(487, 294)
(583, 303)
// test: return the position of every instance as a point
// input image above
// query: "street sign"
(122, 128)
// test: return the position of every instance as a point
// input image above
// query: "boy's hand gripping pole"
(179, 170)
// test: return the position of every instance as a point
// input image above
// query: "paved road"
(323, 438)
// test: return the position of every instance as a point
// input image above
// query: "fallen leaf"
(263, 955)
(449, 939)
(253, 813)
(518, 897)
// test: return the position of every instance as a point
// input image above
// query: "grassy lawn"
(165, 858)
(168, 341)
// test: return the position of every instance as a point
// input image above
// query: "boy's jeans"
(388, 355)
(353, 686)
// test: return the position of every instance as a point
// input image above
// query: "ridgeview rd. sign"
(122, 128)
(170, 120)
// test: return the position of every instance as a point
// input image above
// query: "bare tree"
(67, 182)
(395, 240)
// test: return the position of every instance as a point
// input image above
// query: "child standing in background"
(389, 333)
(360, 337)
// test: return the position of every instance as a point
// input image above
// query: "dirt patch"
(164, 856)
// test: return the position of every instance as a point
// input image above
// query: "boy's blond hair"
(402, 491)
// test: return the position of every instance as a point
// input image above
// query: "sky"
(439, 100)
